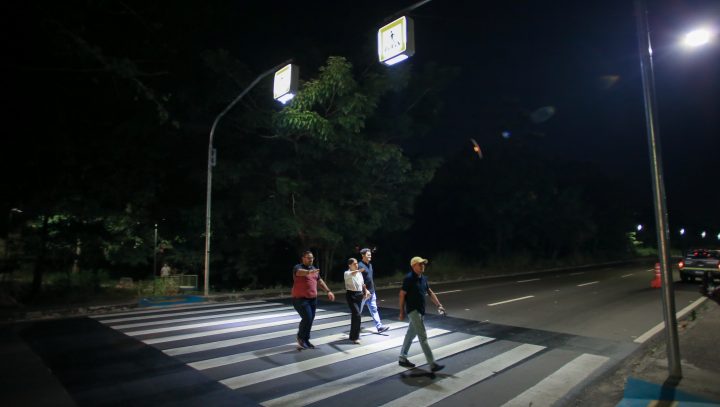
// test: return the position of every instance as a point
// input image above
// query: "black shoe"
(309, 345)
(435, 367)
(406, 363)
(383, 329)
(301, 344)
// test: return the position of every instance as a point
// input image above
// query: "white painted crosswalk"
(250, 347)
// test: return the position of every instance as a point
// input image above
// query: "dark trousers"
(354, 300)
(306, 308)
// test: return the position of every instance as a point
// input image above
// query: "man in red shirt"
(306, 278)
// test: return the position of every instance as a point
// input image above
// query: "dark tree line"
(111, 108)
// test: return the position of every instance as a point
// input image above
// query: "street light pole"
(155, 252)
(661, 222)
(208, 201)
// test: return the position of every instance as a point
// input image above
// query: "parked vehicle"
(698, 262)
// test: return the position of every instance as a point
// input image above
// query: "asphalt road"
(506, 342)
(615, 303)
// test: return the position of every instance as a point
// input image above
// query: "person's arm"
(401, 302)
(330, 294)
(304, 272)
(435, 299)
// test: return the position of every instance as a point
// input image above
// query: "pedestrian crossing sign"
(396, 41)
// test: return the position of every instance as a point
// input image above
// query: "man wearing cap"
(412, 303)
(306, 279)
(367, 273)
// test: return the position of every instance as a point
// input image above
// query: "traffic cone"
(657, 282)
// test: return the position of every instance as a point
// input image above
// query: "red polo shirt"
(305, 286)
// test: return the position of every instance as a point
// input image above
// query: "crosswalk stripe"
(553, 387)
(201, 334)
(330, 389)
(213, 323)
(177, 314)
(249, 339)
(292, 368)
(261, 353)
(199, 318)
(160, 311)
(439, 390)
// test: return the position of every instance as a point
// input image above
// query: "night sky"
(579, 57)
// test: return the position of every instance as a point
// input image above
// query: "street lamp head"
(639, 228)
(682, 232)
(698, 37)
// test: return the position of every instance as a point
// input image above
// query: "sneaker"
(406, 363)
(355, 341)
(383, 329)
(435, 367)
(309, 345)
(301, 344)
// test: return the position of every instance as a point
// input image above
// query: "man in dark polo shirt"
(412, 303)
(367, 273)
(306, 278)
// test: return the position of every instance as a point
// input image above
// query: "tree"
(328, 182)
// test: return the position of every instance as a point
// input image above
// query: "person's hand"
(331, 296)
(441, 310)
(367, 295)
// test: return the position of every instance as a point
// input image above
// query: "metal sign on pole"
(396, 41)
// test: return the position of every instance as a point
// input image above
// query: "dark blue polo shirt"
(367, 273)
(416, 288)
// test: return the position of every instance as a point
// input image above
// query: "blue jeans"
(416, 328)
(306, 308)
(372, 306)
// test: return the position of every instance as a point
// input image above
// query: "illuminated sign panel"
(396, 41)
(286, 83)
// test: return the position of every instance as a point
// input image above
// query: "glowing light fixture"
(396, 41)
(697, 38)
(639, 228)
(286, 83)
(703, 234)
(682, 232)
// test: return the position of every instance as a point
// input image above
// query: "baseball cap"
(415, 260)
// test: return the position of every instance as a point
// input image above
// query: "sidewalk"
(639, 379)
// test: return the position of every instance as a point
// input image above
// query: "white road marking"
(513, 300)
(261, 353)
(292, 368)
(439, 390)
(527, 281)
(249, 339)
(330, 389)
(577, 274)
(177, 314)
(237, 329)
(590, 283)
(626, 275)
(213, 323)
(172, 309)
(553, 387)
(448, 292)
(199, 318)
(659, 327)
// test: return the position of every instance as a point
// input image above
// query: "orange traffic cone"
(657, 282)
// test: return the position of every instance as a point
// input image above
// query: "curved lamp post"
(210, 165)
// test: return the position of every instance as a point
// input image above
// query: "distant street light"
(211, 161)
(639, 228)
(682, 232)
(697, 38)
(703, 234)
